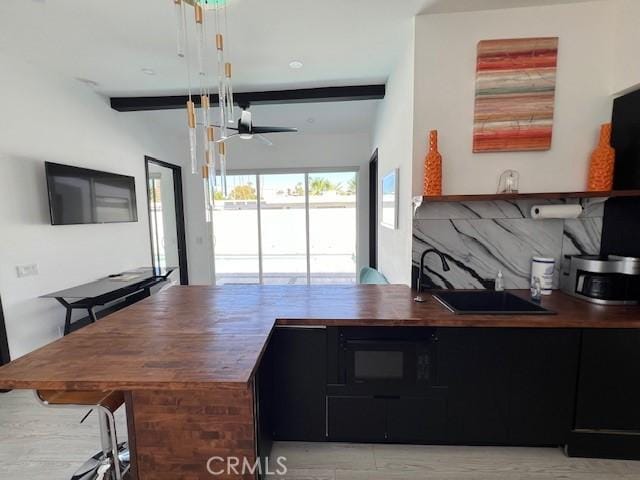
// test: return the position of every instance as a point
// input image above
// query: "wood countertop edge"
(129, 386)
(474, 322)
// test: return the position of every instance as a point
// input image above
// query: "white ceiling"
(109, 41)
(340, 42)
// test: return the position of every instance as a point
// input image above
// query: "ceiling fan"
(246, 130)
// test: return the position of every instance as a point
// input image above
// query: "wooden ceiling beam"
(245, 99)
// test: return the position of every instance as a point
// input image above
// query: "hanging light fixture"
(203, 122)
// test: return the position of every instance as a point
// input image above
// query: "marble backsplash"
(478, 238)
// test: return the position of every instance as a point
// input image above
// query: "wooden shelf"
(524, 196)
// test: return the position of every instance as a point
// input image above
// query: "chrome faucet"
(445, 267)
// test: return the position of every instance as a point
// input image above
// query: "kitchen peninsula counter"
(187, 357)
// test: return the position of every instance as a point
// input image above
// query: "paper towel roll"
(556, 211)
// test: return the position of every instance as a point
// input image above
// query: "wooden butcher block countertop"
(193, 338)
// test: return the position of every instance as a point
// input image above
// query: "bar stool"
(113, 462)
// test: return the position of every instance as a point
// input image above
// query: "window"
(287, 228)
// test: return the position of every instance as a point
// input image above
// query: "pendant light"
(201, 121)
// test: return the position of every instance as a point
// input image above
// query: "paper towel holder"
(542, 212)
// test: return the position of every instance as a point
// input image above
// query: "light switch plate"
(27, 270)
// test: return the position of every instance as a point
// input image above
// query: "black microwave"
(382, 361)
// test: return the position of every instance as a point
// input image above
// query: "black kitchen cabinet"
(263, 391)
(509, 386)
(542, 384)
(474, 365)
(298, 409)
(489, 386)
(609, 383)
(607, 423)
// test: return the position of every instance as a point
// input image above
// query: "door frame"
(373, 210)
(179, 206)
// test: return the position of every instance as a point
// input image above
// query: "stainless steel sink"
(488, 302)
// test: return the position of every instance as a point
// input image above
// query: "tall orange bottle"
(433, 167)
(602, 163)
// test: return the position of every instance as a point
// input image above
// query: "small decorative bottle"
(433, 167)
(602, 163)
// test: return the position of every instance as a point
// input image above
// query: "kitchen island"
(188, 358)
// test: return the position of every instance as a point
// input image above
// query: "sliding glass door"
(290, 228)
(332, 227)
(283, 223)
(235, 228)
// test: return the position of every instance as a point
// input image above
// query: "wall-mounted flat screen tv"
(79, 195)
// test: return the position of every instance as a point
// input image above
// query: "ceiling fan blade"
(258, 130)
(218, 126)
(264, 140)
(230, 137)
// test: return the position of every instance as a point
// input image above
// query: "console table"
(130, 287)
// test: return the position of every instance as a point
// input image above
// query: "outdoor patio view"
(302, 230)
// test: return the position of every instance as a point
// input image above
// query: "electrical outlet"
(30, 270)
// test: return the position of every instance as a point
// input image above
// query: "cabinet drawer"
(404, 419)
(356, 419)
(417, 419)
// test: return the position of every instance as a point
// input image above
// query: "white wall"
(48, 118)
(393, 136)
(444, 94)
(626, 41)
(290, 151)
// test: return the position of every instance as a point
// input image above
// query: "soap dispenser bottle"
(499, 282)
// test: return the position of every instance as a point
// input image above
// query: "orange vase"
(602, 161)
(433, 167)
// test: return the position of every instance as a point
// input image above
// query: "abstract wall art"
(515, 94)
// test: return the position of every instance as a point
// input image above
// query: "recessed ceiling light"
(148, 71)
(296, 65)
(311, 120)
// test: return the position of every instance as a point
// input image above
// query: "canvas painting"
(515, 94)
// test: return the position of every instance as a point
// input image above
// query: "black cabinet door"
(542, 383)
(264, 401)
(509, 386)
(609, 383)
(299, 383)
(474, 364)
(418, 420)
(357, 419)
